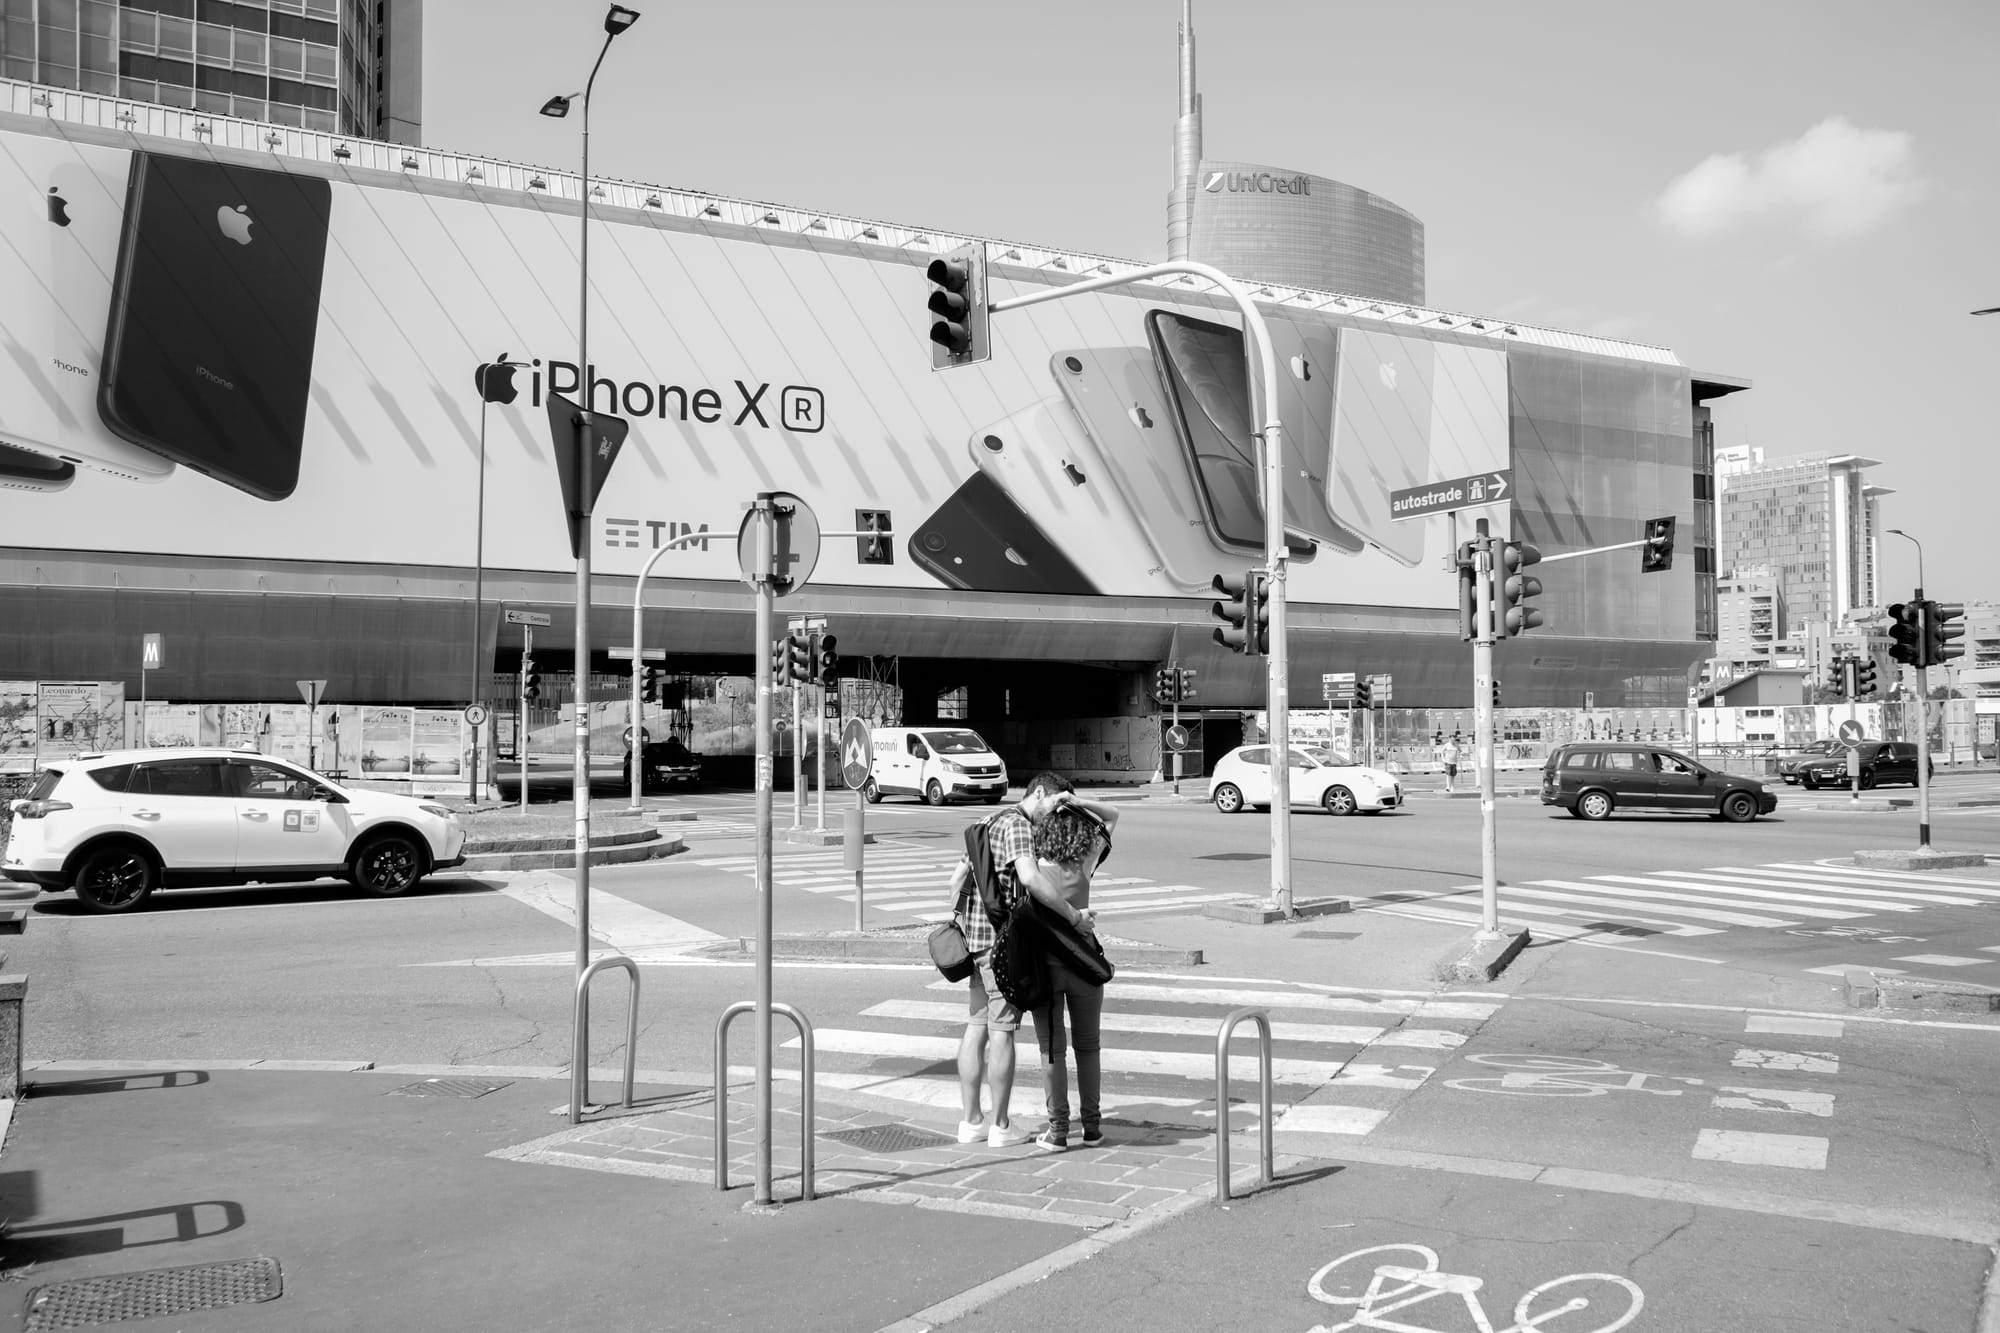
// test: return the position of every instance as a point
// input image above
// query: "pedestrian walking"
(1070, 842)
(987, 1047)
(1454, 754)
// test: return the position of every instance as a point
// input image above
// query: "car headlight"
(441, 811)
(950, 767)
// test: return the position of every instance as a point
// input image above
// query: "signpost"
(152, 656)
(857, 761)
(1439, 497)
(312, 691)
(528, 621)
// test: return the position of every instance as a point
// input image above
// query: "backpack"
(1019, 955)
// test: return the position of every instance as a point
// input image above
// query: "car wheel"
(387, 865)
(1739, 807)
(115, 879)
(1339, 801)
(1575, 812)
(1867, 779)
(1594, 805)
(871, 793)
(1228, 798)
(934, 793)
(1811, 782)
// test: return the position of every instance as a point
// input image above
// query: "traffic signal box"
(1864, 679)
(1184, 689)
(875, 548)
(531, 681)
(1467, 561)
(1164, 682)
(1364, 694)
(652, 685)
(1247, 613)
(1940, 628)
(828, 664)
(956, 311)
(1836, 677)
(1906, 633)
(798, 658)
(1658, 552)
(1512, 613)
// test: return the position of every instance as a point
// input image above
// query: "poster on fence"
(78, 717)
(438, 747)
(17, 726)
(385, 742)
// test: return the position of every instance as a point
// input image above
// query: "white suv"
(114, 827)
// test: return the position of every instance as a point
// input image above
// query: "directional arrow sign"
(603, 434)
(856, 755)
(1481, 488)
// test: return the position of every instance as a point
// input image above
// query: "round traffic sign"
(1851, 733)
(795, 544)
(856, 755)
(475, 714)
(1176, 738)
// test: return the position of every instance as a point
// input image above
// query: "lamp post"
(479, 543)
(616, 20)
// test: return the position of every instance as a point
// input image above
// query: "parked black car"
(1790, 764)
(1592, 780)
(1881, 761)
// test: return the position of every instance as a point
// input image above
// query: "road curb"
(554, 842)
(1263, 914)
(1485, 959)
(1923, 858)
(1866, 989)
(655, 846)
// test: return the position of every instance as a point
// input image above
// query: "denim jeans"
(1085, 1003)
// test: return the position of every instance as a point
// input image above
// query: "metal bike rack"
(1263, 1022)
(579, 1073)
(807, 1120)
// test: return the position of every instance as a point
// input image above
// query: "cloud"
(1833, 182)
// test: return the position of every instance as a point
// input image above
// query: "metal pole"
(478, 582)
(1923, 730)
(798, 760)
(819, 763)
(521, 717)
(1853, 779)
(860, 861)
(765, 684)
(1482, 736)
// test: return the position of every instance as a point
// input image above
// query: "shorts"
(987, 1007)
(1451, 770)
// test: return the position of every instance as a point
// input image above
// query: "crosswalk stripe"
(1511, 905)
(1609, 894)
(1724, 892)
(1185, 900)
(1984, 886)
(1237, 997)
(1430, 1039)
(1848, 892)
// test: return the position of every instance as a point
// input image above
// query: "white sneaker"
(1008, 1136)
(971, 1131)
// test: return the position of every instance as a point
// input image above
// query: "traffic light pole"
(521, 717)
(639, 653)
(1482, 738)
(1925, 612)
(765, 546)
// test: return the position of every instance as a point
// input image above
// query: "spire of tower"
(1187, 145)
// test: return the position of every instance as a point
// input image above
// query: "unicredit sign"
(1256, 182)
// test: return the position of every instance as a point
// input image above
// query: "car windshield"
(1320, 754)
(955, 742)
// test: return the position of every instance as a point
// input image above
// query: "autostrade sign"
(318, 398)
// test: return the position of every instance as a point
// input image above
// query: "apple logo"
(1302, 370)
(58, 208)
(1387, 370)
(1140, 417)
(1073, 472)
(235, 222)
(495, 381)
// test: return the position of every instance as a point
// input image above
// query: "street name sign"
(1438, 497)
(527, 618)
(624, 654)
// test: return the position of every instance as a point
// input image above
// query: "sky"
(1801, 193)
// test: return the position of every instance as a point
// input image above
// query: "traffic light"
(1658, 552)
(1247, 613)
(957, 317)
(875, 549)
(1364, 694)
(651, 685)
(829, 662)
(798, 657)
(1496, 691)
(1940, 628)
(780, 656)
(1906, 633)
(1467, 561)
(1836, 675)
(531, 682)
(1185, 687)
(1164, 681)
(1515, 615)
(1864, 678)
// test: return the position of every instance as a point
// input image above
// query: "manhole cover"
(162, 1291)
(889, 1138)
(448, 1087)
(1327, 935)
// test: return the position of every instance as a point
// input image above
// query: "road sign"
(312, 691)
(794, 550)
(1177, 738)
(475, 714)
(1381, 687)
(856, 754)
(624, 654)
(153, 652)
(1333, 678)
(527, 618)
(603, 435)
(1851, 733)
(1438, 497)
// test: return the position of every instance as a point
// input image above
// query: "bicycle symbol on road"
(1378, 1289)
(1564, 1076)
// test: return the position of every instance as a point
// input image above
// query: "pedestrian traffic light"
(1185, 690)
(1864, 678)
(874, 548)
(1467, 561)
(1516, 616)
(1940, 628)
(829, 662)
(957, 315)
(1364, 694)
(1247, 613)
(1658, 552)
(798, 657)
(1906, 633)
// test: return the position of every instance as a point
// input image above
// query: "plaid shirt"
(1010, 836)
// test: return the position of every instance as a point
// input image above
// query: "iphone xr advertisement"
(211, 354)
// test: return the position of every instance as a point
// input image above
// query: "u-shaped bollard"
(1263, 1022)
(579, 1065)
(808, 1120)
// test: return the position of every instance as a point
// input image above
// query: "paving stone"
(1032, 1202)
(1144, 1198)
(1078, 1208)
(932, 1190)
(1169, 1176)
(1067, 1169)
(1091, 1191)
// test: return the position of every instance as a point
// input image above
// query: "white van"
(937, 763)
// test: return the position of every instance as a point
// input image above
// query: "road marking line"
(625, 926)
(1606, 923)
(1277, 999)
(1783, 878)
(1785, 1101)
(1985, 887)
(1802, 1152)
(1726, 894)
(1942, 960)
(1605, 895)
(1790, 1062)
(1842, 969)
(1794, 1027)
(1176, 1026)
(1328, 1119)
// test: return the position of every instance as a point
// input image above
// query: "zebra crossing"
(1340, 1059)
(915, 881)
(1687, 904)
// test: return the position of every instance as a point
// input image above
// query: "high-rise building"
(1812, 520)
(334, 66)
(1266, 224)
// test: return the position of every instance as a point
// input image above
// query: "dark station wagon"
(1592, 780)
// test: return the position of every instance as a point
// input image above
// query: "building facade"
(1811, 521)
(348, 67)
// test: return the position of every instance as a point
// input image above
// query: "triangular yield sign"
(603, 435)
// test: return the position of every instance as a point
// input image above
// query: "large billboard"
(267, 359)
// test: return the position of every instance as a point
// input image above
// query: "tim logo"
(651, 533)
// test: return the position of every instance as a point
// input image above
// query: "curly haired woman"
(1069, 842)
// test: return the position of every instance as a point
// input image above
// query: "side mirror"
(332, 797)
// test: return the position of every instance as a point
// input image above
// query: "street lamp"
(1920, 559)
(501, 385)
(616, 20)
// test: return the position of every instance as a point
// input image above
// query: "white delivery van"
(937, 763)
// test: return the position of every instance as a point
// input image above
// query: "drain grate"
(448, 1087)
(889, 1138)
(162, 1291)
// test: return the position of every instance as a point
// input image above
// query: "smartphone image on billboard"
(1306, 370)
(979, 540)
(1381, 436)
(215, 308)
(1206, 376)
(26, 470)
